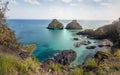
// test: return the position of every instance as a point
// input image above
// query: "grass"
(91, 63)
(77, 71)
(29, 48)
(117, 53)
(55, 67)
(9, 65)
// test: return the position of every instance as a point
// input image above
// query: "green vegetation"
(91, 63)
(55, 67)
(9, 65)
(29, 48)
(77, 71)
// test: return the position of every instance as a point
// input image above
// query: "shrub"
(77, 71)
(55, 67)
(117, 53)
(9, 65)
(29, 48)
(91, 63)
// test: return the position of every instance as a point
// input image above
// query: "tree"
(3, 10)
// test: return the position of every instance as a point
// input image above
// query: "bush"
(55, 67)
(77, 71)
(91, 63)
(29, 48)
(117, 53)
(9, 65)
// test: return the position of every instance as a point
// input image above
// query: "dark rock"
(24, 54)
(101, 45)
(91, 47)
(78, 44)
(88, 32)
(86, 42)
(76, 39)
(64, 57)
(74, 25)
(55, 24)
(101, 56)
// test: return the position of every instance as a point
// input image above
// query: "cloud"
(106, 4)
(13, 1)
(35, 2)
(73, 4)
(50, 0)
(67, 1)
(97, 0)
(79, 0)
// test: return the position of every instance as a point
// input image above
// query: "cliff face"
(108, 31)
(7, 37)
(74, 25)
(55, 24)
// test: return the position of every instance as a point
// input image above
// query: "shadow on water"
(45, 54)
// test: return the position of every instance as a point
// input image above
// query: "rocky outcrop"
(74, 25)
(7, 37)
(110, 31)
(55, 24)
(88, 32)
(101, 56)
(64, 57)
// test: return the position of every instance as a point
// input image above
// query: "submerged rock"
(91, 47)
(74, 25)
(78, 44)
(55, 24)
(75, 39)
(64, 57)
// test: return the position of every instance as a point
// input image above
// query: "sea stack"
(55, 24)
(74, 25)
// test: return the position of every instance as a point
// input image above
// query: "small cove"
(50, 42)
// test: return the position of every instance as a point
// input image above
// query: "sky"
(64, 9)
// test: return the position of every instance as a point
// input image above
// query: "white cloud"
(73, 4)
(67, 1)
(97, 0)
(50, 0)
(79, 0)
(106, 4)
(13, 1)
(33, 2)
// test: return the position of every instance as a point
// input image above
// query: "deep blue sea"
(50, 42)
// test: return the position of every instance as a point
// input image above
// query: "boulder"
(100, 56)
(78, 44)
(74, 25)
(101, 45)
(55, 24)
(91, 47)
(76, 39)
(64, 57)
(88, 32)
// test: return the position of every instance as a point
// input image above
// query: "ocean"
(50, 42)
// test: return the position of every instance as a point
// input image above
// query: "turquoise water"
(50, 42)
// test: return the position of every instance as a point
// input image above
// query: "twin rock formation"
(55, 24)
